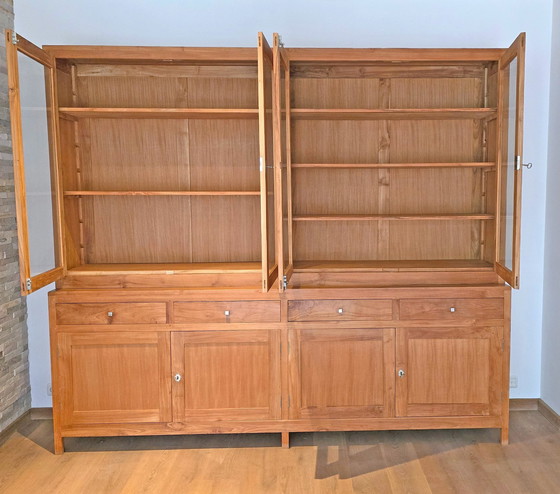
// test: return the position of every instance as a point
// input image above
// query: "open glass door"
(510, 152)
(33, 122)
(282, 162)
(265, 66)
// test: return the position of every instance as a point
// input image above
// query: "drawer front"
(232, 312)
(461, 308)
(111, 313)
(340, 310)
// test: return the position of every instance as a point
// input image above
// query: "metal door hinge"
(261, 164)
(14, 38)
(28, 283)
(284, 282)
(518, 162)
(517, 281)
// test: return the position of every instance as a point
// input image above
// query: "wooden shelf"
(79, 193)
(393, 217)
(392, 265)
(482, 164)
(163, 113)
(392, 114)
(171, 268)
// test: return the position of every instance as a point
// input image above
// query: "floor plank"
(387, 462)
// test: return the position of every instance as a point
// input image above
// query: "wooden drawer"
(340, 310)
(112, 313)
(235, 312)
(459, 308)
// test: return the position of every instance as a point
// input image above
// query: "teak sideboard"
(270, 239)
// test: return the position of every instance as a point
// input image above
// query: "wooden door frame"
(517, 49)
(15, 44)
(265, 56)
(179, 405)
(496, 337)
(386, 335)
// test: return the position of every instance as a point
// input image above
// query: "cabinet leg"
(285, 439)
(504, 436)
(58, 444)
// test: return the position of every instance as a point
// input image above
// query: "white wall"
(332, 23)
(550, 389)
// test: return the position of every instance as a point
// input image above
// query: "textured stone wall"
(15, 393)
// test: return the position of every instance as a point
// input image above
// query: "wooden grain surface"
(420, 462)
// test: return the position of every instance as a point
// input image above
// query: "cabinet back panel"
(334, 240)
(342, 141)
(224, 154)
(372, 191)
(424, 240)
(222, 93)
(437, 93)
(385, 70)
(433, 141)
(390, 240)
(433, 191)
(146, 154)
(337, 191)
(192, 86)
(403, 141)
(142, 229)
(335, 93)
(226, 229)
(130, 154)
(137, 229)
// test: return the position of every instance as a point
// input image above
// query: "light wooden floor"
(416, 462)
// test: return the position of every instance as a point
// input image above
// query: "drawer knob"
(226, 313)
(110, 313)
(452, 309)
(340, 311)
(401, 373)
(177, 377)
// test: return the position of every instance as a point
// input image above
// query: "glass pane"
(269, 166)
(508, 164)
(36, 155)
(284, 169)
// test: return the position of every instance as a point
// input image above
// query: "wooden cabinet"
(270, 239)
(449, 372)
(347, 373)
(111, 313)
(231, 312)
(226, 375)
(339, 310)
(113, 378)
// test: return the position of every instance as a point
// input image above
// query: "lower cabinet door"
(448, 371)
(114, 377)
(342, 373)
(226, 375)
